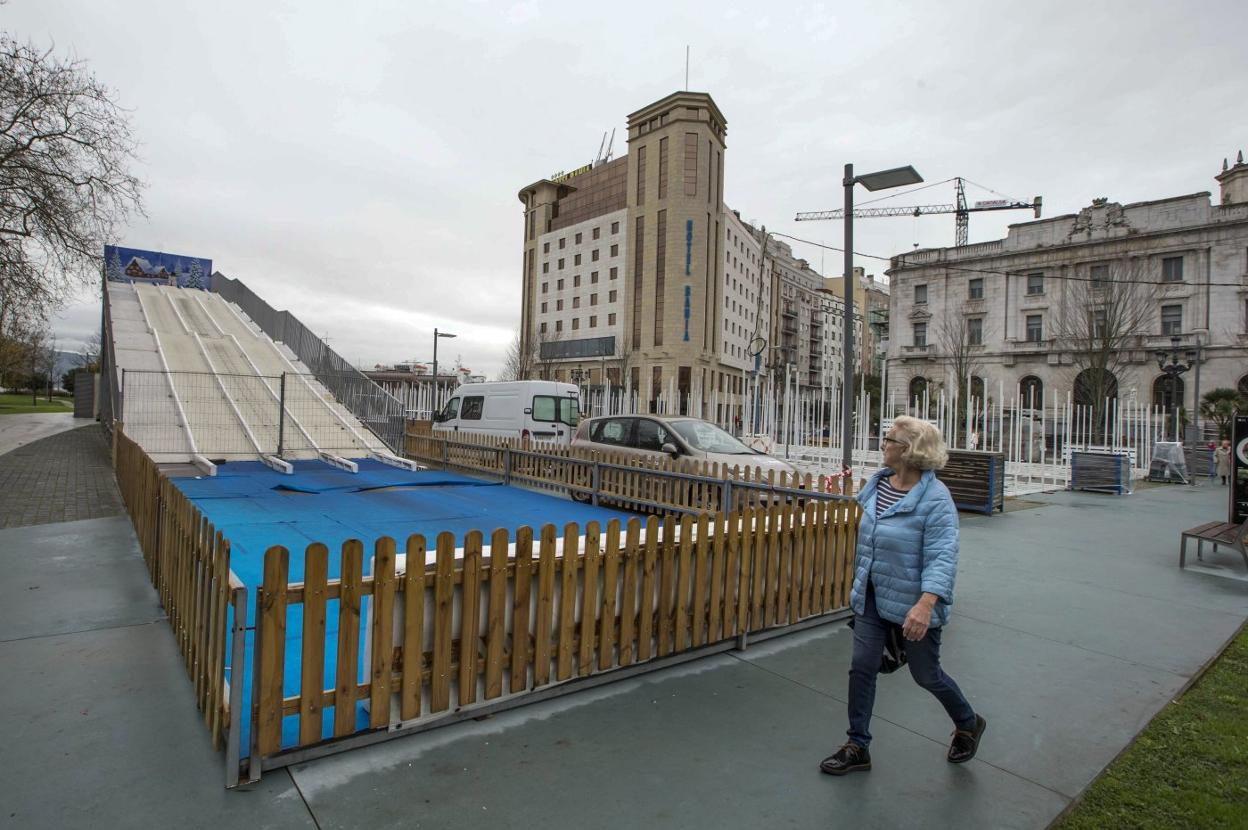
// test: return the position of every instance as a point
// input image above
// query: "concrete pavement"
(1072, 627)
(21, 429)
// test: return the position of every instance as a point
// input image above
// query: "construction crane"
(962, 212)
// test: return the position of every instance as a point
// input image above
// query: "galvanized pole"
(281, 416)
(435, 370)
(847, 385)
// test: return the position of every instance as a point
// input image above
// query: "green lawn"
(1189, 767)
(11, 404)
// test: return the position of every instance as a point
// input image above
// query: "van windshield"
(705, 437)
(450, 411)
(549, 408)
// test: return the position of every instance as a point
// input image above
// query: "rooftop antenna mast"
(604, 157)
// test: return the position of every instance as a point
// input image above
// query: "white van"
(542, 410)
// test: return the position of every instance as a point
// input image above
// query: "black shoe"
(966, 742)
(849, 758)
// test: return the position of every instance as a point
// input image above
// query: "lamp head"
(884, 179)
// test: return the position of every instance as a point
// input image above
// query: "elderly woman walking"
(903, 579)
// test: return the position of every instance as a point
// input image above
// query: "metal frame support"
(281, 416)
(238, 666)
(596, 484)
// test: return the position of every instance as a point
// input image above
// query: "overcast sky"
(358, 163)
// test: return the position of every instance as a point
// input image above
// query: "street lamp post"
(436, 334)
(882, 180)
(1172, 365)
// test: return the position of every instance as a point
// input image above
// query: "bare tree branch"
(66, 150)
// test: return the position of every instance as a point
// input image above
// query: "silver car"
(674, 437)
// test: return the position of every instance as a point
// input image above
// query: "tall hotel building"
(634, 272)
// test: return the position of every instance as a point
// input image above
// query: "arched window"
(977, 389)
(1167, 392)
(1094, 386)
(917, 393)
(1242, 386)
(1031, 392)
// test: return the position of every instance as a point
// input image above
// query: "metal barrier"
(380, 411)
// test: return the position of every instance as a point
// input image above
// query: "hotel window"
(615, 272)
(975, 331)
(920, 295)
(558, 325)
(1172, 269)
(593, 322)
(615, 227)
(576, 259)
(975, 289)
(1035, 284)
(593, 299)
(545, 267)
(576, 323)
(1098, 322)
(563, 240)
(641, 175)
(559, 284)
(597, 231)
(1035, 328)
(545, 286)
(560, 264)
(577, 240)
(1099, 275)
(593, 276)
(576, 302)
(611, 319)
(576, 280)
(593, 255)
(543, 328)
(543, 308)
(545, 247)
(920, 334)
(611, 297)
(1172, 319)
(558, 305)
(615, 250)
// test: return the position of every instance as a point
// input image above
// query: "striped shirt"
(886, 495)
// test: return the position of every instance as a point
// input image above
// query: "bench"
(1216, 533)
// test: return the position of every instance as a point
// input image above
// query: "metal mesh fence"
(380, 411)
(219, 414)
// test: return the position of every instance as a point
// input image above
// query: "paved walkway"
(16, 430)
(1073, 626)
(65, 477)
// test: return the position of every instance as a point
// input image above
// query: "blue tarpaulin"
(256, 508)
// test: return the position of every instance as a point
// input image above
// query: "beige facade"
(1174, 268)
(635, 272)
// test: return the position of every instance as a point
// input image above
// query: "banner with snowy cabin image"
(135, 265)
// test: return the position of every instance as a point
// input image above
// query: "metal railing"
(377, 409)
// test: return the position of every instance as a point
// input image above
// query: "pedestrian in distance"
(1222, 457)
(904, 570)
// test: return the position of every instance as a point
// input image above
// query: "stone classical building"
(1033, 311)
(635, 272)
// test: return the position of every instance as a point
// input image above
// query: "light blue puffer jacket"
(911, 549)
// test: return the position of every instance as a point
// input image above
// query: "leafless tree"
(518, 363)
(1102, 319)
(961, 352)
(89, 357)
(543, 366)
(66, 150)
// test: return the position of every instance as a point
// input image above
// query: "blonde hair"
(925, 448)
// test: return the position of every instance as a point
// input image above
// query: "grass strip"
(1189, 767)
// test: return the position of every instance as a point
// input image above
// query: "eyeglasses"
(888, 440)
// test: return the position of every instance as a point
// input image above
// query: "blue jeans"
(923, 658)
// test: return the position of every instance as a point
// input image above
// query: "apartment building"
(635, 272)
(1132, 279)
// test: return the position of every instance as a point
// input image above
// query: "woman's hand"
(919, 618)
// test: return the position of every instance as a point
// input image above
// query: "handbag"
(894, 654)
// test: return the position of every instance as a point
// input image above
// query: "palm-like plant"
(1220, 405)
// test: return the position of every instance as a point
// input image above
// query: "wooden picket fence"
(477, 626)
(188, 561)
(658, 484)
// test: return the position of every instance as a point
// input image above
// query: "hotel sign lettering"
(562, 176)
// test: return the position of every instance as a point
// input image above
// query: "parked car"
(674, 437)
(539, 409)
